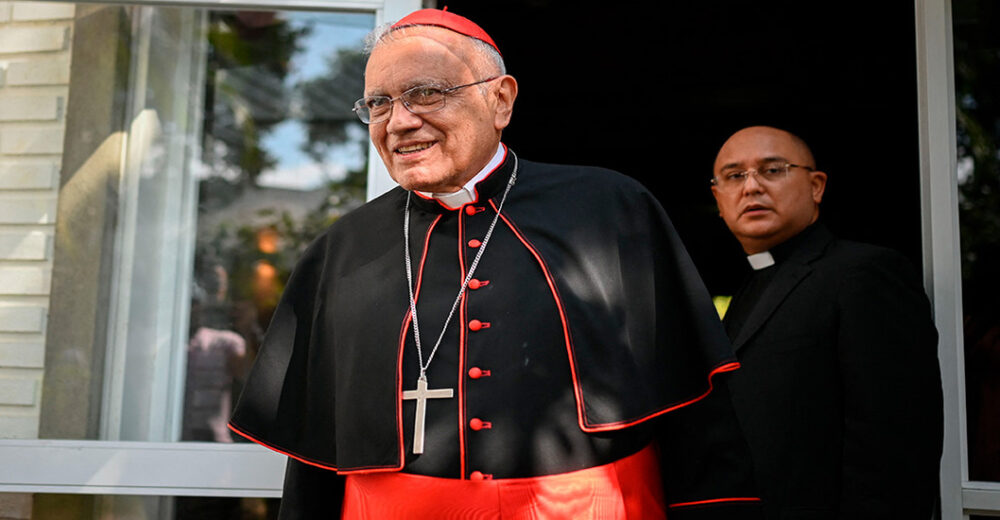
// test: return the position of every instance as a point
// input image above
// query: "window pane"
(203, 150)
(282, 157)
(977, 88)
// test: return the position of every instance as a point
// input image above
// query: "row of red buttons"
(472, 210)
(477, 424)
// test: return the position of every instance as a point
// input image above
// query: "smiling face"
(437, 151)
(762, 215)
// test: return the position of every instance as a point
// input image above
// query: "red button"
(474, 243)
(479, 475)
(476, 325)
(478, 424)
(476, 373)
(470, 210)
(474, 284)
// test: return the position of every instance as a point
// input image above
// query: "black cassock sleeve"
(705, 461)
(310, 492)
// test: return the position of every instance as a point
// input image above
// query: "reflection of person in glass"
(840, 392)
(982, 363)
(213, 360)
(555, 356)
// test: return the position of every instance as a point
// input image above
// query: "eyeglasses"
(417, 100)
(767, 173)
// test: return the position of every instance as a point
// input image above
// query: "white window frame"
(109, 467)
(960, 496)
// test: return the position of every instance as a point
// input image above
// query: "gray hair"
(489, 56)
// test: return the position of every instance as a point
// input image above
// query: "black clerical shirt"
(757, 281)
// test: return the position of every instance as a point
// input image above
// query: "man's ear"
(817, 180)
(505, 94)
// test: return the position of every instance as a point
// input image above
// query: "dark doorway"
(653, 89)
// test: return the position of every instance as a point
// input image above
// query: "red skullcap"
(452, 21)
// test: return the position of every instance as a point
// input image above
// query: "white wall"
(34, 83)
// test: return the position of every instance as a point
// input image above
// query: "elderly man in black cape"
(494, 338)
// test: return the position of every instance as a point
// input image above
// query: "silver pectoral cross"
(422, 394)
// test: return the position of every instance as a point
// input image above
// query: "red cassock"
(624, 489)
(585, 348)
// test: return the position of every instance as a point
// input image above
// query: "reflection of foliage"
(327, 101)
(977, 89)
(259, 256)
(249, 91)
(248, 60)
(977, 78)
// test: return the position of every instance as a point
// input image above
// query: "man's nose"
(401, 119)
(751, 184)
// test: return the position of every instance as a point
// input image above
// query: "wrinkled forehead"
(749, 147)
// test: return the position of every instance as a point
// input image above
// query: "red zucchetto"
(452, 21)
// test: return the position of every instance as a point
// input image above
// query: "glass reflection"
(282, 157)
(227, 145)
(977, 88)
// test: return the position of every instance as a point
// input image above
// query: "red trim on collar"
(425, 197)
(475, 188)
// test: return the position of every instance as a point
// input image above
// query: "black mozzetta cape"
(588, 321)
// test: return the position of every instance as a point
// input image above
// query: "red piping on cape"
(715, 501)
(462, 338)
(475, 190)
(300, 458)
(303, 460)
(402, 342)
(399, 392)
(577, 389)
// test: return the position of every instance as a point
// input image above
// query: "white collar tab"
(467, 194)
(761, 260)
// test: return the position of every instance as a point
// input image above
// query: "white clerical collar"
(760, 260)
(467, 193)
